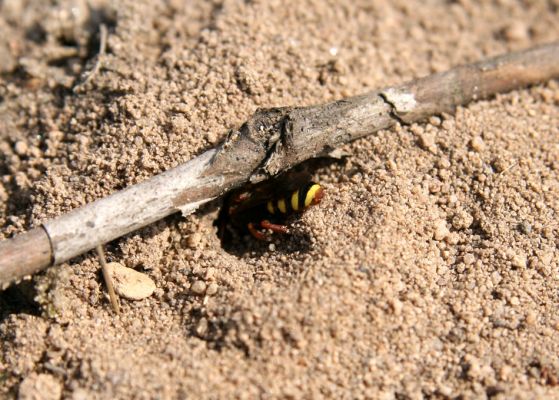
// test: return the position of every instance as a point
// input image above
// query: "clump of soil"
(429, 269)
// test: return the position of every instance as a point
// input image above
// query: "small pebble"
(462, 220)
(212, 289)
(473, 365)
(505, 373)
(469, 259)
(499, 164)
(516, 31)
(193, 240)
(496, 277)
(445, 390)
(129, 283)
(198, 287)
(396, 306)
(443, 163)
(9, 62)
(202, 327)
(525, 227)
(427, 142)
(477, 144)
(210, 273)
(435, 121)
(441, 230)
(21, 148)
(519, 261)
(40, 387)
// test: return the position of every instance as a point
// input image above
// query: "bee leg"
(274, 227)
(255, 232)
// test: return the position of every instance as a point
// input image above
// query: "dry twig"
(103, 36)
(272, 141)
(108, 279)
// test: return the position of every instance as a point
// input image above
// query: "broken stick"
(108, 279)
(272, 141)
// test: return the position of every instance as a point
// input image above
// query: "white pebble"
(198, 287)
(519, 260)
(441, 230)
(516, 31)
(194, 240)
(477, 144)
(129, 283)
(40, 386)
(21, 148)
(212, 289)
(427, 142)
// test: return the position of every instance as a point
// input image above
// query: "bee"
(267, 207)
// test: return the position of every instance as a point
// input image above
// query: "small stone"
(525, 227)
(462, 220)
(505, 373)
(477, 144)
(435, 121)
(516, 31)
(198, 287)
(81, 394)
(7, 61)
(40, 387)
(473, 366)
(176, 237)
(210, 273)
(129, 283)
(496, 277)
(396, 306)
(427, 142)
(469, 259)
(202, 327)
(193, 240)
(212, 289)
(499, 164)
(441, 230)
(3, 193)
(445, 390)
(519, 261)
(547, 331)
(21, 148)
(531, 318)
(443, 163)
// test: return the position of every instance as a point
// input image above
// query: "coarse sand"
(429, 270)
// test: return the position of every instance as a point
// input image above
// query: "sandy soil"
(429, 270)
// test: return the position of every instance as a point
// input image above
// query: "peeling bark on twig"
(276, 139)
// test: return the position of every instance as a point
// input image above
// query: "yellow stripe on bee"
(281, 206)
(270, 206)
(310, 194)
(295, 200)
